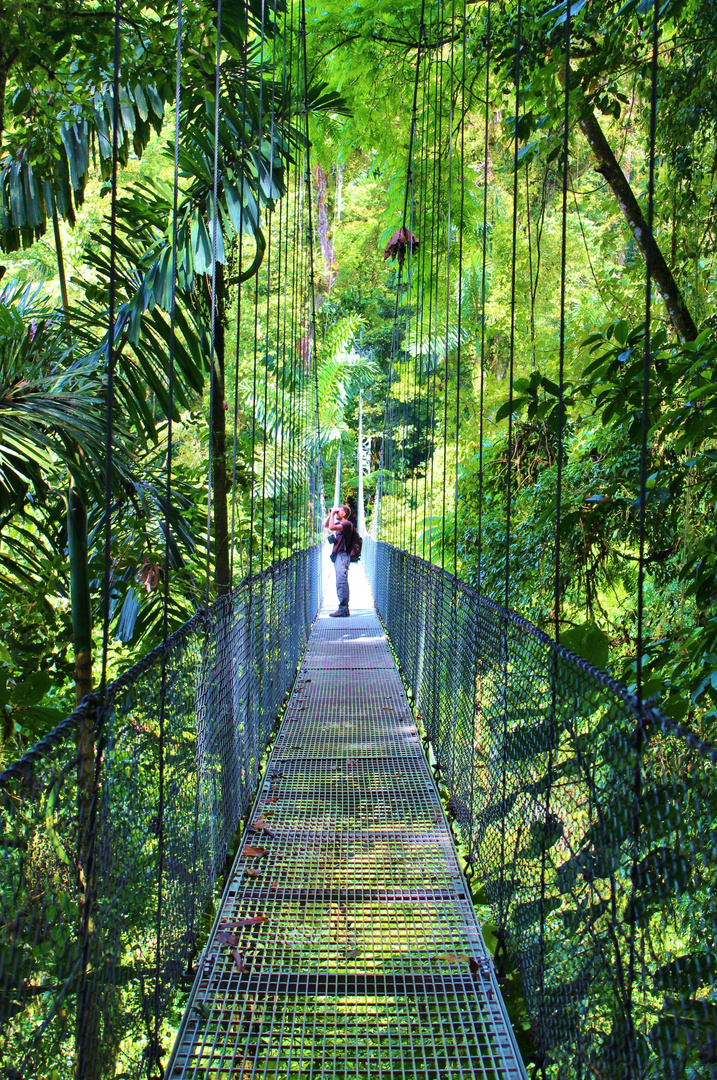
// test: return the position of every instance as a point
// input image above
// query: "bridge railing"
(590, 829)
(115, 832)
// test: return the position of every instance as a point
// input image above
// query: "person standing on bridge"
(337, 522)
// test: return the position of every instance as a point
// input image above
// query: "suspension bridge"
(423, 841)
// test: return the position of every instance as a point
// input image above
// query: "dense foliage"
(362, 61)
(370, 51)
(452, 361)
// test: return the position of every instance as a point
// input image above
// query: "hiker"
(338, 522)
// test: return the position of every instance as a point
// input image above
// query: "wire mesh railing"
(115, 834)
(591, 827)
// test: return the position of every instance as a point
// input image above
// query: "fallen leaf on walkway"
(274, 885)
(250, 852)
(238, 959)
(251, 873)
(450, 958)
(474, 966)
(260, 826)
(249, 920)
(272, 798)
(225, 938)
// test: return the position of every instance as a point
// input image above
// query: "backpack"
(356, 545)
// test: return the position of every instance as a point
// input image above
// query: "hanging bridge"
(424, 841)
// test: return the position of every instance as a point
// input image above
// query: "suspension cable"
(111, 354)
(509, 476)
(155, 1048)
(240, 245)
(313, 337)
(446, 371)
(482, 300)
(460, 290)
(213, 301)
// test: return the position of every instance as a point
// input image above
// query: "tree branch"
(663, 277)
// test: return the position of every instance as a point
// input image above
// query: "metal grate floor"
(343, 943)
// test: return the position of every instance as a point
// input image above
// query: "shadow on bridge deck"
(346, 945)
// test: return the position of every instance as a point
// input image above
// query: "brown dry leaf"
(249, 920)
(238, 959)
(250, 852)
(260, 826)
(251, 873)
(450, 958)
(225, 938)
(401, 241)
(474, 966)
(274, 885)
(272, 798)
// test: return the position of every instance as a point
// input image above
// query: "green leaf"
(588, 641)
(509, 407)
(32, 690)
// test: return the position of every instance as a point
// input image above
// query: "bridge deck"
(358, 965)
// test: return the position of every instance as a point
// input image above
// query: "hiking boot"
(340, 614)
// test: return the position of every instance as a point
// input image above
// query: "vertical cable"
(242, 166)
(460, 288)
(213, 311)
(252, 512)
(501, 948)
(269, 238)
(482, 299)
(561, 362)
(155, 1051)
(634, 1063)
(446, 375)
(506, 594)
(89, 757)
(387, 442)
(558, 509)
(312, 289)
(111, 353)
(645, 420)
(435, 273)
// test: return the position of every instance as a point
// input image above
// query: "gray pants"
(341, 565)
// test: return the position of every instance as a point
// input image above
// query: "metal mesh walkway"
(346, 945)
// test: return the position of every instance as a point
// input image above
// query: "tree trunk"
(79, 592)
(609, 167)
(222, 578)
(328, 256)
(88, 1012)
